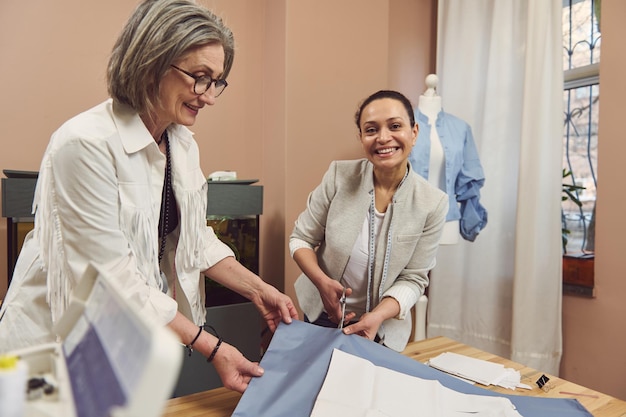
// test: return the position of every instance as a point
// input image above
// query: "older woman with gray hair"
(120, 187)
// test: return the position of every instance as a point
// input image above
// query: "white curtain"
(499, 64)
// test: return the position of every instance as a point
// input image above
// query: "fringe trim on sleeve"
(60, 281)
(190, 245)
(140, 231)
(190, 253)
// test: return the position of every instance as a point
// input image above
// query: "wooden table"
(221, 402)
(598, 404)
(218, 402)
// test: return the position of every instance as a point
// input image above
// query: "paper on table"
(355, 387)
(478, 370)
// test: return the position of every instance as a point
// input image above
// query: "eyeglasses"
(203, 83)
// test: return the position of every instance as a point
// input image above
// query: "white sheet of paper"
(478, 370)
(355, 387)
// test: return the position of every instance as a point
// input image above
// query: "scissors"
(342, 301)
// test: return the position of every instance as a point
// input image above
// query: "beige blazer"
(331, 224)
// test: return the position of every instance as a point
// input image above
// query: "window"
(581, 94)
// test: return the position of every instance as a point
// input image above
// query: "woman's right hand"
(331, 293)
(330, 289)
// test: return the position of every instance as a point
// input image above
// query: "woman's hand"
(369, 323)
(234, 369)
(331, 293)
(367, 326)
(274, 306)
(330, 289)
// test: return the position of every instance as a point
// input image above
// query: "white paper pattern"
(355, 387)
(477, 370)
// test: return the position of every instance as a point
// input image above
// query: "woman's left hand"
(275, 307)
(369, 323)
(367, 326)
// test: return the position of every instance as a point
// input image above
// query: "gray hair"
(156, 35)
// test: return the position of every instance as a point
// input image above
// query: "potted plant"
(569, 192)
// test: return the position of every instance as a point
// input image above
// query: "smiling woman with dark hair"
(120, 187)
(370, 231)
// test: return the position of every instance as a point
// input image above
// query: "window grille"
(581, 94)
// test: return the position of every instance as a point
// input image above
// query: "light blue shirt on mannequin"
(463, 172)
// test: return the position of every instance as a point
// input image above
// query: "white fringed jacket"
(97, 201)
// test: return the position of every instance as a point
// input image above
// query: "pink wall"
(301, 68)
(594, 330)
(54, 56)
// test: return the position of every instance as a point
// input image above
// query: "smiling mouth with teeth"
(386, 150)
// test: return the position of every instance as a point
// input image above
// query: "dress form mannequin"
(430, 105)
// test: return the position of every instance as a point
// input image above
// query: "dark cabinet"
(17, 201)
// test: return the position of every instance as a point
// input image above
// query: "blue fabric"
(299, 356)
(464, 175)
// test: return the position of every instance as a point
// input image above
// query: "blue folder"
(298, 358)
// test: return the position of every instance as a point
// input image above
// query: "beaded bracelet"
(219, 342)
(190, 345)
(217, 346)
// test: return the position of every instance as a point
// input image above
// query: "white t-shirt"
(355, 275)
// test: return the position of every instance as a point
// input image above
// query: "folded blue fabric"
(298, 358)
